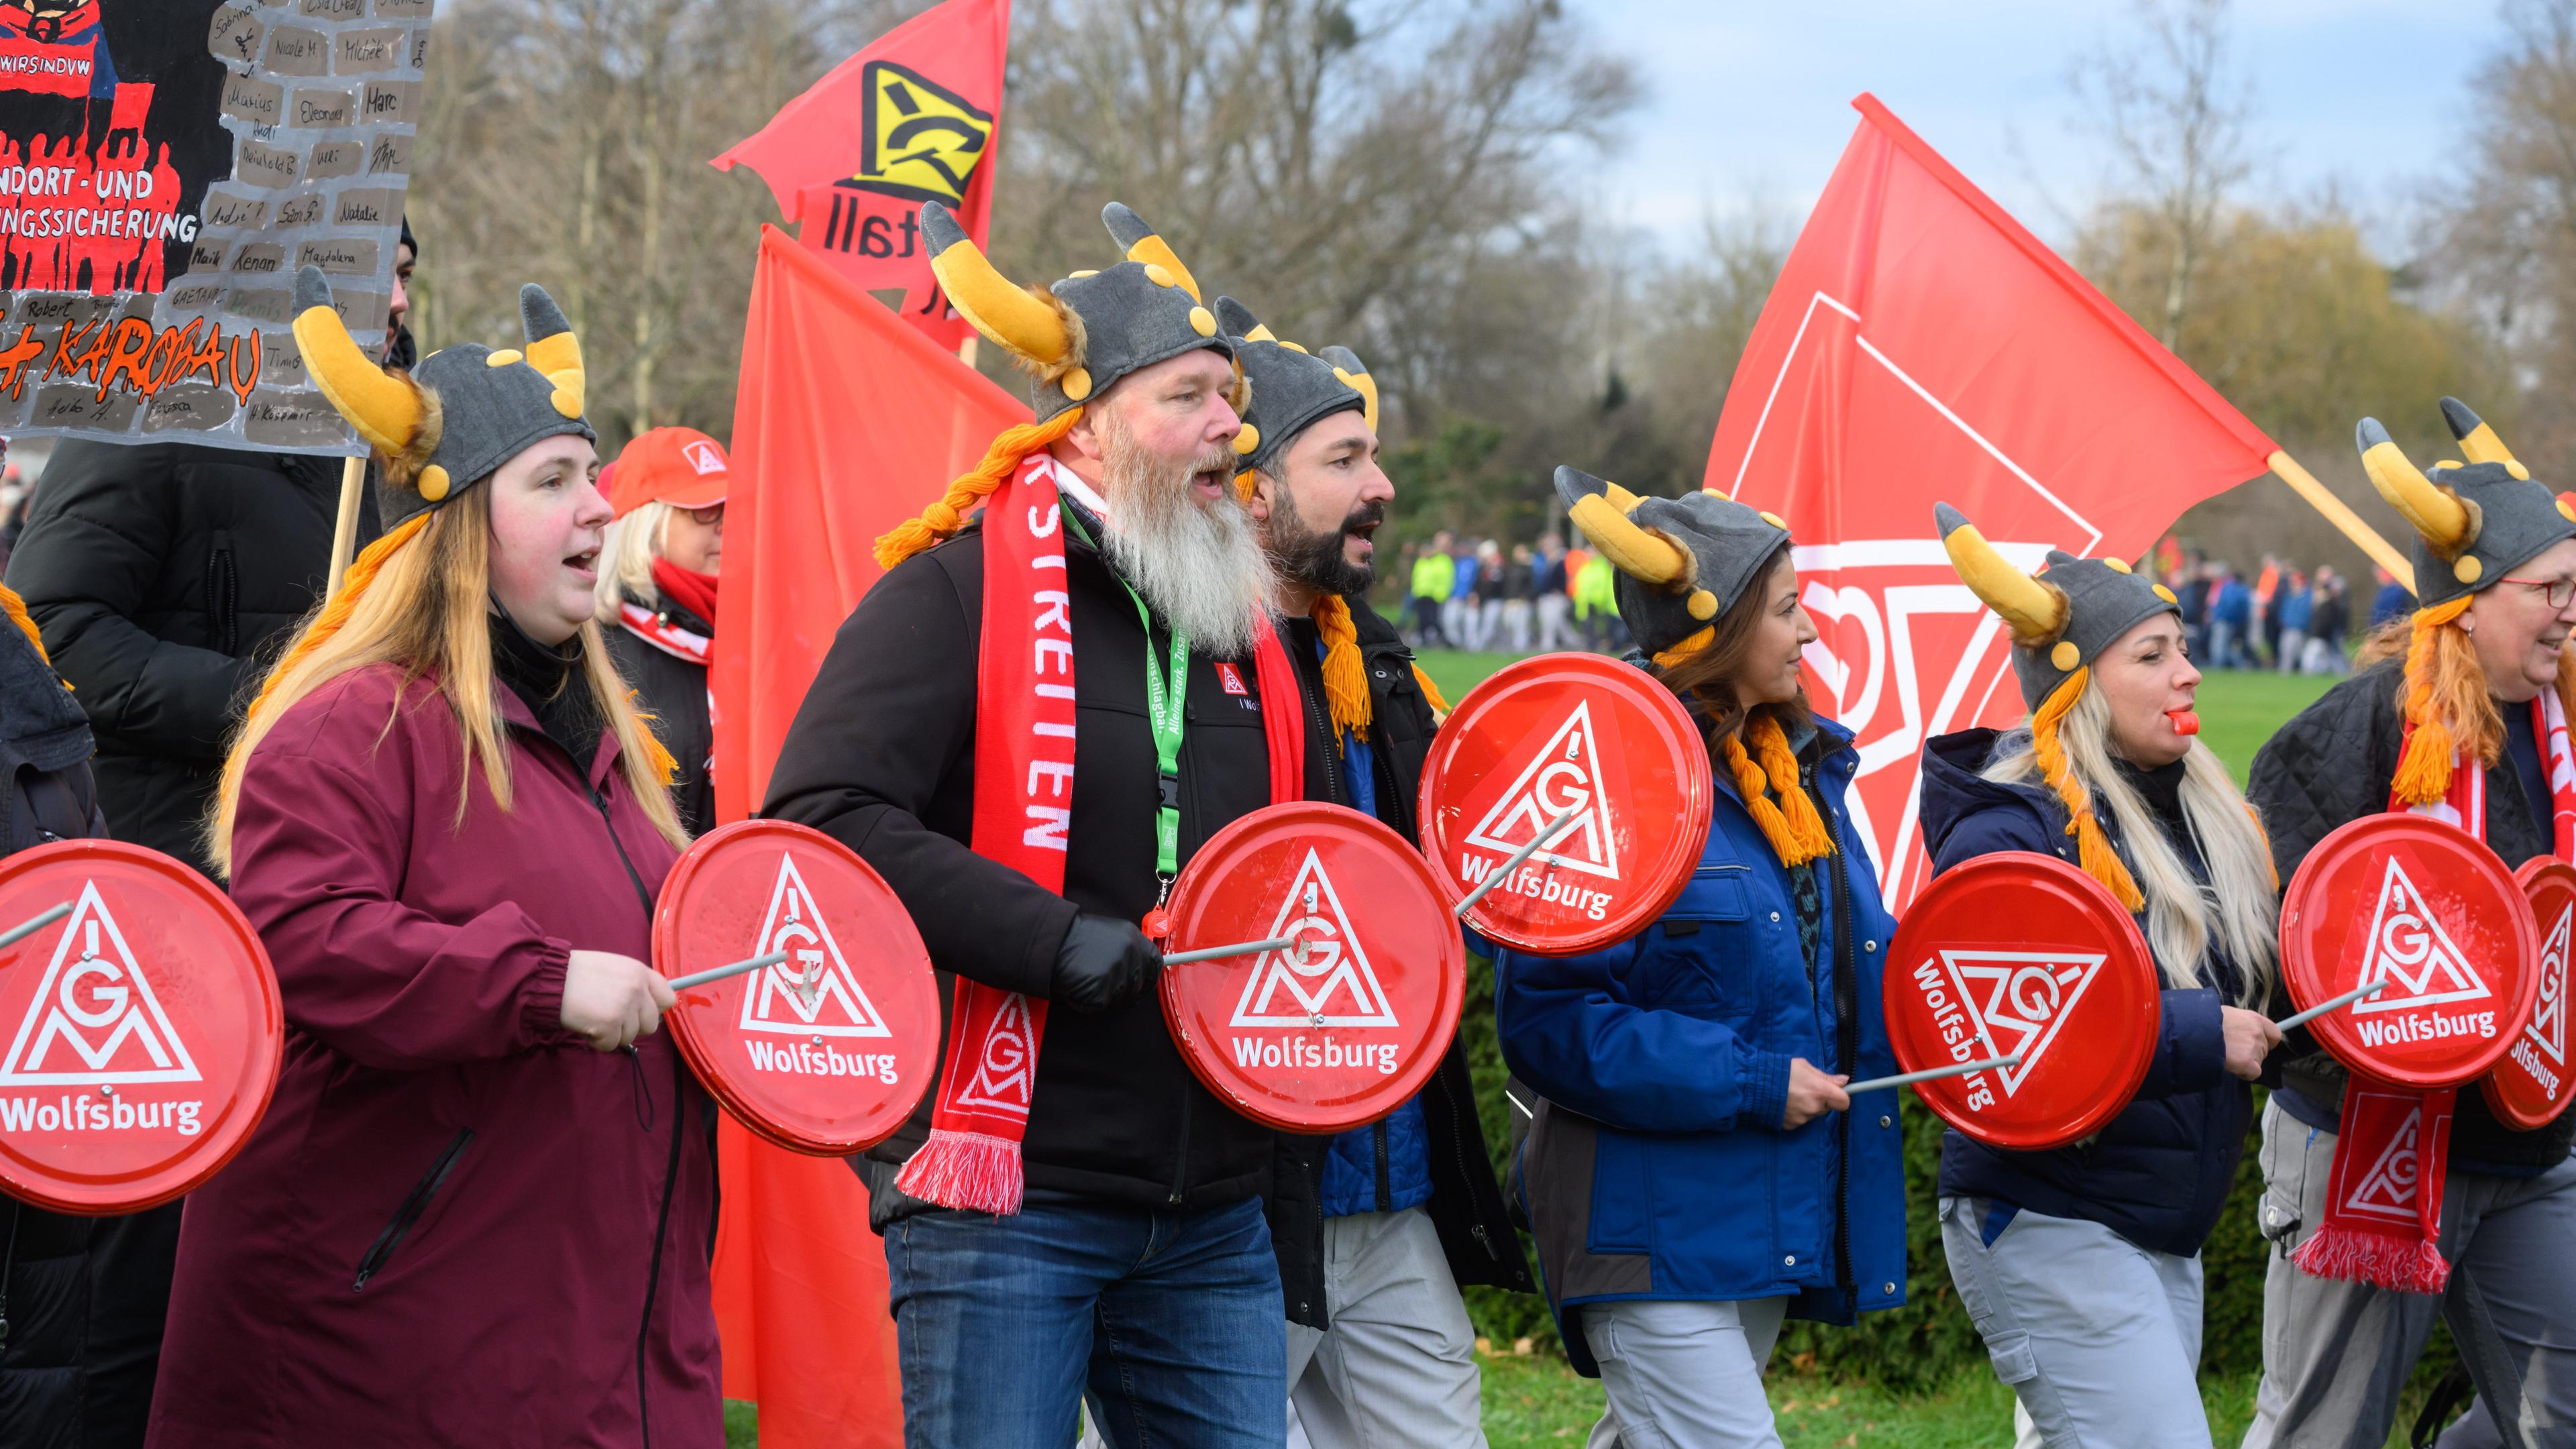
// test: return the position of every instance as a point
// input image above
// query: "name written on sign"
(127, 357)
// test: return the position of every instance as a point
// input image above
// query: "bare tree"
(2166, 101)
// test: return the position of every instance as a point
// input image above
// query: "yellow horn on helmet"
(1008, 314)
(552, 348)
(1142, 244)
(386, 410)
(2477, 437)
(1649, 557)
(2445, 522)
(2032, 609)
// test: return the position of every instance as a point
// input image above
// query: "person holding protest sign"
(2081, 1265)
(448, 823)
(657, 597)
(1375, 1228)
(45, 747)
(1696, 1174)
(2462, 717)
(1077, 1206)
(165, 576)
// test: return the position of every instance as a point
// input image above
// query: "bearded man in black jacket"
(1376, 1227)
(1077, 1210)
(165, 577)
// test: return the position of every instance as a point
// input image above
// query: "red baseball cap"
(679, 466)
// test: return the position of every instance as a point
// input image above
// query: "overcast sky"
(1751, 101)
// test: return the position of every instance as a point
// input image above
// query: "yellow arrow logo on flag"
(919, 139)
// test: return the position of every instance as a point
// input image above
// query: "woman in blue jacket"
(2081, 1265)
(1694, 1171)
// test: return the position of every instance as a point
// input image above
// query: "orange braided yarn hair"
(947, 513)
(1796, 832)
(2092, 848)
(1345, 680)
(2446, 702)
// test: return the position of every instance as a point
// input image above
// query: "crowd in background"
(1463, 592)
(2282, 618)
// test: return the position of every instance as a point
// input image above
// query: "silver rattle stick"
(1239, 948)
(2322, 1007)
(32, 925)
(1956, 1069)
(1515, 860)
(715, 974)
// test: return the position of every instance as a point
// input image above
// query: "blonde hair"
(626, 571)
(419, 598)
(2237, 909)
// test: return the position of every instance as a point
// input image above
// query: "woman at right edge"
(2080, 1265)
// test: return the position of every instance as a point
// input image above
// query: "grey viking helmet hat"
(465, 411)
(1292, 389)
(2474, 524)
(1085, 332)
(1682, 561)
(2060, 620)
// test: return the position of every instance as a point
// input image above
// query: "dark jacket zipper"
(1466, 1175)
(1846, 1049)
(1385, 1178)
(413, 1205)
(671, 1172)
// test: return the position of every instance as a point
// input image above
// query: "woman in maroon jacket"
(479, 1208)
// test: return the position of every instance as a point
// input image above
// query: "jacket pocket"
(1623, 1193)
(414, 1204)
(2015, 1362)
(223, 596)
(1703, 951)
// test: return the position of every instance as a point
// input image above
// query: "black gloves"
(1104, 962)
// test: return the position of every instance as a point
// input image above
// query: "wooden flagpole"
(344, 534)
(2305, 484)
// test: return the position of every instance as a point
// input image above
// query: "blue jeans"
(1173, 1321)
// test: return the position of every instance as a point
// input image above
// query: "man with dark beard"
(1027, 727)
(1377, 1227)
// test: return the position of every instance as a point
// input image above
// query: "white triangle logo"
(1002, 1067)
(2548, 1025)
(1564, 776)
(2021, 1000)
(1323, 980)
(94, 1018)
(703, 457)
(2410, 950)
(2388, 1189)
(812, 992)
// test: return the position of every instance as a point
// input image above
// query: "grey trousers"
(2335, 1354)
(1398, 1366)
(1684, 1375)
(2098, 1338)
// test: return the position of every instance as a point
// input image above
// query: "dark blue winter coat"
(1656, 1167)
(2158, 1173)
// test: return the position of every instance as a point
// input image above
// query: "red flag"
(847, 422)
(909, 119)
(1921, 345)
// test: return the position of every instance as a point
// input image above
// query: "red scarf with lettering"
(2383, 1222)
(1024, 748)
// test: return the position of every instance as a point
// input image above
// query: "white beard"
(1198, 565)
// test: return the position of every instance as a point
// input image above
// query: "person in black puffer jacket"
(2495, 574)
(166, 577)
(2081, 1264)
(44, 1256)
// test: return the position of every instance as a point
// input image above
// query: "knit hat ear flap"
(2092, 848)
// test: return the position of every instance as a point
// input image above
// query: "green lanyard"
(1164, 697)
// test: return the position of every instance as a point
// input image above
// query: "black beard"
(1316, 559)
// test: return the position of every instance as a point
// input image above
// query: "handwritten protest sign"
(165, 167)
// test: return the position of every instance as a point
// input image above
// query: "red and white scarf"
(2383, 1222)
(1024, 748)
